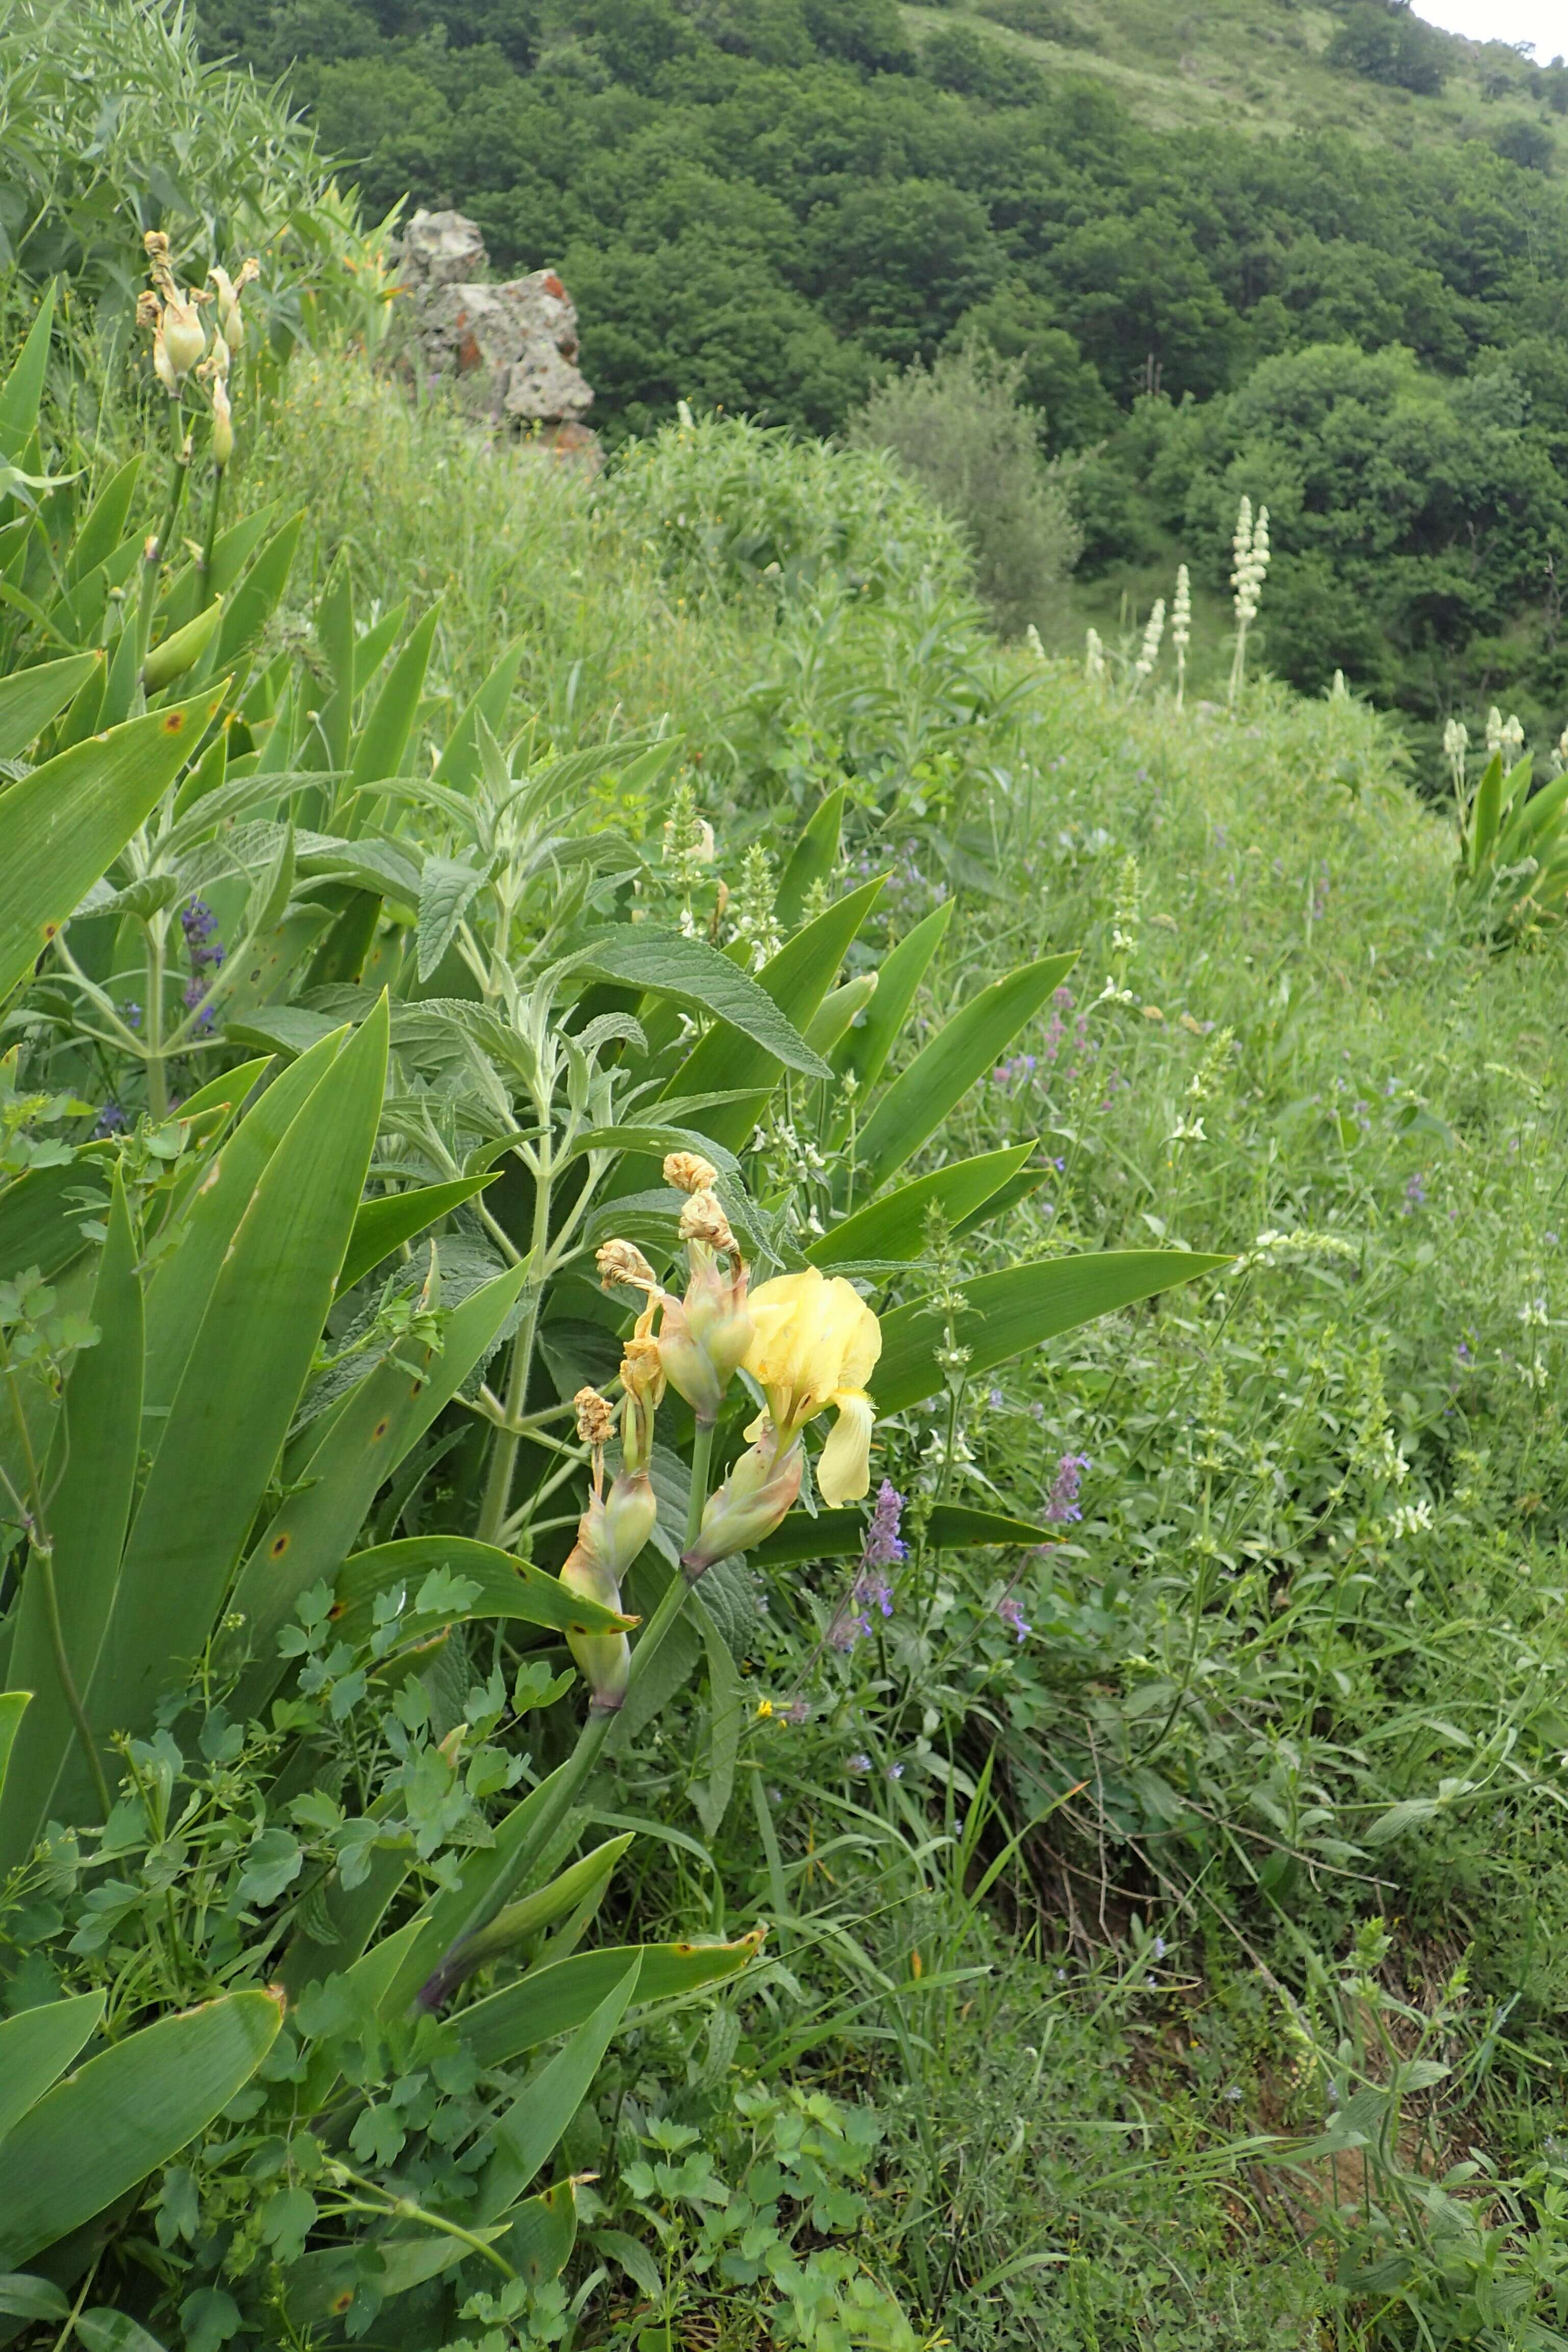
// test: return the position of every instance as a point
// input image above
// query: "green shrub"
(958, 428)
(723, 506)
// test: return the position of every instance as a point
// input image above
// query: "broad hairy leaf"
(796, 979)
(448, 886)
(695, 974)
(99, 2133)
(1019, 1309)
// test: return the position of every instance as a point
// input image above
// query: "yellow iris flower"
(814, 1345)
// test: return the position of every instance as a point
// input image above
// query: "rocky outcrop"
(510, 349)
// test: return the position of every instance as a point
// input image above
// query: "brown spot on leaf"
(379, 1432)
(279, 1545)
(173, 722)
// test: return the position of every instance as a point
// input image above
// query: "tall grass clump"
(110, 124)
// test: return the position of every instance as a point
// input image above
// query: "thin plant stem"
(157, 1067)
(408, 2208)
(503, 1457)
(43, 1560)
(153, 554)
(701, 1461)
(594, 1732)
(204, 591)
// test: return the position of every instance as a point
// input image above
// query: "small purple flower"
(797, 1711)
(1011, 1612)
(996, 1400)
(895, 1771)
(1062, 1503)
(1414, 1194)
(110, 1121)
(198, 923)
(133, 1014)
(1159, 1947)
(882, 1547)
(1463, 1352)
(857, 1763)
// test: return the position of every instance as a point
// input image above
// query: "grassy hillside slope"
(1225, 251)
(1259, 66)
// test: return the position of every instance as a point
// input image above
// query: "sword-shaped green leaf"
(24, 387)
(179, 1293)
(385, 1225)
(1020, 1308)
(236, 1396)
(13, 1707)
(383, 739)
(29, 699)
(62, 826)
(93, 1477)
(840, 1535)
(310, 1534)
(459, 762)
(252, 604)
(812, 859)
(865, 1050)
(895, 1226)
(95, 2135)
(919, 1098)
(529, 2130)
(36, 2047)
(504, 1588)
(557, 1999)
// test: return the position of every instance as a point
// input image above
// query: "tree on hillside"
(959, 427)
(1388, 44)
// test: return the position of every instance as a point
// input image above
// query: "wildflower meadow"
(782, 1493)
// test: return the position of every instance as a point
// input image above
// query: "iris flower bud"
(184, 338)
(753, 1500)
(688, 1172)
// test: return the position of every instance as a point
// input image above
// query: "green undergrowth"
(1298, 1667)
(1166, 1936)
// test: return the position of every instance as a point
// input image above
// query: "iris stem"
(592, 1737)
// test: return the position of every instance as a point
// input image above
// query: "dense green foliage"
(766, 207)
(1166, 1942)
